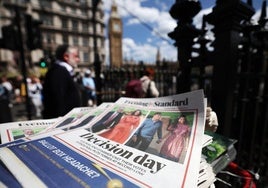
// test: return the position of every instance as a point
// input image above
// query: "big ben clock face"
(116, 27)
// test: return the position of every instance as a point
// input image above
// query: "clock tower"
(115, 38)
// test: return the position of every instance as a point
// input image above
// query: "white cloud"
(163, 5)
(197, 21)
(165, 23)
(257, 15)
(147, 15)
(135, 51)
(138, 51)
(149, 40)
(167, 51)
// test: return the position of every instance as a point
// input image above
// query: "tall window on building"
(22, 2)
(47, 19)
(75, 41)
(63, 8)
(45, 4)
(73, 10)
(85, 41)
(64, 23)
(74, 25)
(102, 43)
(85, 57)
(83, 2)
(83, 12)
(49, 38)
(65, 39)
(84, 27)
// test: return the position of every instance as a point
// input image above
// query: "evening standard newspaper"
(27, 129)
(68, 154)
(15, 130)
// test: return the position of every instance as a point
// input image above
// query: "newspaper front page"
(149, 163)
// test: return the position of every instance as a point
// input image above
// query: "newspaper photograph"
(78, 117)
(75, 115)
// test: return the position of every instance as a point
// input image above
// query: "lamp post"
(22, 58)
(97, 62)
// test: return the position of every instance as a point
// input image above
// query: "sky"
(146, 24)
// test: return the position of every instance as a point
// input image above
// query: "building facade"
(63, 22)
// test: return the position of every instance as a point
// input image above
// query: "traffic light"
(10, 38)
(34, 38)
(43, 63)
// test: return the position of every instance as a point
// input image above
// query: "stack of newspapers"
(156, 142)
(216, 155)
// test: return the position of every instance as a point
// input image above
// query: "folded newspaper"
(132, 143)
(220, 152)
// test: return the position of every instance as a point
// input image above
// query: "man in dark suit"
(60, 91)
(108, 121)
